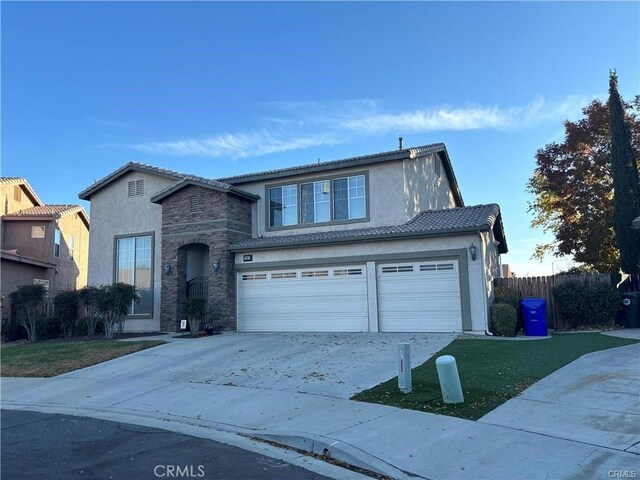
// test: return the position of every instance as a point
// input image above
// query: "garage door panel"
(310, 299)
(419, 297)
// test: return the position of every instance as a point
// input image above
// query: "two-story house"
(45, 244)
(380, 242)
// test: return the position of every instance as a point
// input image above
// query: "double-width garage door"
(412, 297)
(323, 299)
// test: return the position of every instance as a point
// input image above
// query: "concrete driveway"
(594, 400)
(334, 365)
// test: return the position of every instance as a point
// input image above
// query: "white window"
(283, 206)
(315, 202)
(72, 247)
(37, 231)
(40, 281)
(56, 243)
(136, 188)
(133, 266)
(349, 200)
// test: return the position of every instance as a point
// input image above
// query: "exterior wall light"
(167, 269)
(215, 266)
(473, 250)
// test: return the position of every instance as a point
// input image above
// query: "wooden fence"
(542, 287)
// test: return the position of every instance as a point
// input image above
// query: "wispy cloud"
(110, 123)
(301, 125)
(238, 145)
(468, 118)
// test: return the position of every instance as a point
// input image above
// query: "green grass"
(491, 372)
(51, 358)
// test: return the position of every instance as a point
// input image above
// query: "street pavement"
(146, 388)
(60, 447)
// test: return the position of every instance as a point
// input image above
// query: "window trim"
(115, 268)
(268, 203)
(316, 178)
(72, 247)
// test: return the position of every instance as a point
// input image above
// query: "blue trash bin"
(534, 315)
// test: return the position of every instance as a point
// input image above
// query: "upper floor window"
(283, 206)
(17, 193)
(37, 231)
(349, 200)
(72, 247)
(56, 243)
(136, 188)
(315, 202)
(320, 201)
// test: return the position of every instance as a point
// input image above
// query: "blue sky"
(217, 89)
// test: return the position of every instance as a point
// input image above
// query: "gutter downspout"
(484, 279)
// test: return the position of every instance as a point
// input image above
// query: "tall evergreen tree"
(626, 191)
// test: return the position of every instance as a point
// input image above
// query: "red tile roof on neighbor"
(49, 212)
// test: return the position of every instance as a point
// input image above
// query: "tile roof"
(430, 222)
(48, 211)
(202, 182)
(165, 172)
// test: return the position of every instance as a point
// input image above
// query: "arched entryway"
(193, 275)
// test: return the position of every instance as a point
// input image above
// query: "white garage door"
(322, 299)
(419, 297)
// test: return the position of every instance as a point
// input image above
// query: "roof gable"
(129, 167)
(204, 183)
(24, 185)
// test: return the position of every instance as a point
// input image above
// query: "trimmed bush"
(507, 295)
(29, 302)
(196, 309)
(66, 306)
(504, 318)
(581, 305)
(49, 327)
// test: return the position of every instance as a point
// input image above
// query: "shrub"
(114, 303)
(29, 302)
(583, 305)
(196, 309)
(49, 327)
(504, 318)
(507, 295)
(90, 300)
(66, 306)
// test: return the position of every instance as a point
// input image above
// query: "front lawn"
(51, 358)
(491, 372)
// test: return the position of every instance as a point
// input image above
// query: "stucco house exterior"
(45, 244)
(381, 242)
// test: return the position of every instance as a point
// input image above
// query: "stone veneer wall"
(220, 220)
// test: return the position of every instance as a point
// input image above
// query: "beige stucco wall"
(345, 254)
(114, 213)
(397, 191)
(71, 274)
(9, 205)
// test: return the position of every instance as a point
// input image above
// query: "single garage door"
(323, 299)
(419, 297)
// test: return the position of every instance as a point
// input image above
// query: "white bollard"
(404, 367)
(449, 379)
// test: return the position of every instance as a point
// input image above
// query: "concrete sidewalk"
(399, 443)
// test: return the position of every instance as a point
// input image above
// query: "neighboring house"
(45, 244)
(380, 242)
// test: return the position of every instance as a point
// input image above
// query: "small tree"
(90, 299)
(29, 301)
(195, 309)
(66, 306)
(626, 191)
(114, 305)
